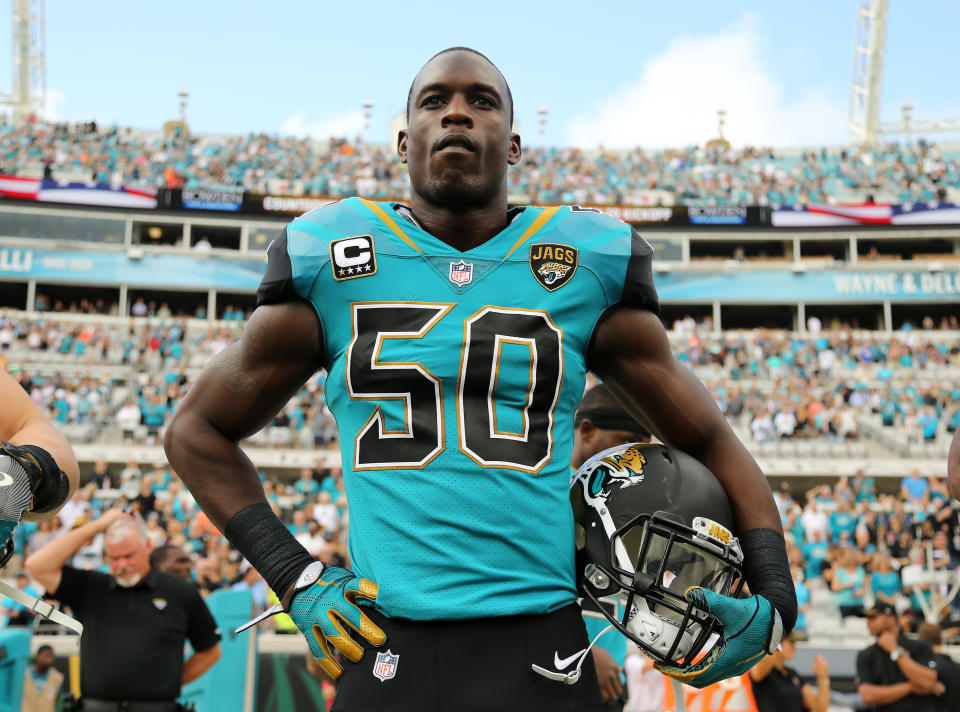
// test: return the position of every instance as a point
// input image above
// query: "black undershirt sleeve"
(276, 286)
(638, 288)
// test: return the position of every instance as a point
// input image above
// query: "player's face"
(459, 144)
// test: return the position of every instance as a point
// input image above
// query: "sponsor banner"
(824, 287)
(683, 216)
(202, 199)
(284, 204)
(866, 214)
(718, 215)
(116, 268)
(98, 194)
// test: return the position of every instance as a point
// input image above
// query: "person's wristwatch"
(307, 578)
(896, 653)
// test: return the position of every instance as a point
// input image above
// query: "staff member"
(896, 674)
(135, 619)
(778, 688)
(601, 423)
(41, 687)
(948, 670)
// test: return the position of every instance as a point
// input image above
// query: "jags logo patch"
(553, 265)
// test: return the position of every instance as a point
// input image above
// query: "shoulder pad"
(302, 249)
(617, 254)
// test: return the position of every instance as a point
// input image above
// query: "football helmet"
(650, 523)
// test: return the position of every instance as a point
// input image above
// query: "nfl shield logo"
(461, 273)
(385, 666)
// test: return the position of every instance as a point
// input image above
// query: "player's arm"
(236, 395)
(632, 355)
(953, 466)
(39, 447)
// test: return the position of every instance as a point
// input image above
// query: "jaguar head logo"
(552, 271)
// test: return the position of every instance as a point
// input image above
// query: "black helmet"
(651, 522)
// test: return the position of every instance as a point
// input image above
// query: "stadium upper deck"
(693, 176)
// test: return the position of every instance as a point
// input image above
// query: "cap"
(878, 609)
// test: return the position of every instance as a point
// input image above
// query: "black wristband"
(767, 571)
(49, 484)
(266, 543)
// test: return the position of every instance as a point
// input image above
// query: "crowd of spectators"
(862, 545)
(314, 508)
(718, 175)
(771, 385)
(870, 548)
(783, 385)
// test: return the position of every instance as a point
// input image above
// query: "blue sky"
(617, 73)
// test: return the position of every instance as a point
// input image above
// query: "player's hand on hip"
(751, 629)
(324, 606)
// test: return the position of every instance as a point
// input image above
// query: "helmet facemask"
(653, 560)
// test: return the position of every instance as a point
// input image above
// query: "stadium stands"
(694, 176)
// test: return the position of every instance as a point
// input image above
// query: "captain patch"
(353, 257)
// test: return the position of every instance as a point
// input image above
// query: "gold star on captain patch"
(342, 272)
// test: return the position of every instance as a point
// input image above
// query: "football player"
(456, 334)
(38, 470)
(601, 423)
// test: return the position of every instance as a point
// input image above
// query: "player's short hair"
(159, 556)
(461, 49)
(930, 632)
(601, 408)
(42, 649)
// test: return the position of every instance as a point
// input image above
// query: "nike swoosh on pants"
(565, 662)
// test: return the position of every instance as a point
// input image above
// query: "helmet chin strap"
(573, 676)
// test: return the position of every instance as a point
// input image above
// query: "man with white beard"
(135, 618)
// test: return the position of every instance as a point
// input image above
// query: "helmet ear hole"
(579, 535)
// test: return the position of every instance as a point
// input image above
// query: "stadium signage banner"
(228, 200)
(867, 214)
(821, 287)
(683, 216)
(105, 268)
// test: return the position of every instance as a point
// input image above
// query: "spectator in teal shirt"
(842, 520)
(864, 487)
(306, 485)
(814, 552)
(884, 583)
(848, 583)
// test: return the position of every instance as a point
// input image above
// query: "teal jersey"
(454, 377)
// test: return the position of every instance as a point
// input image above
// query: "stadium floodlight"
(866, 88)
(29, 70)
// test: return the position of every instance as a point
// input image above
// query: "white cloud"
(53, 103)
(343, 125)
(674, 101)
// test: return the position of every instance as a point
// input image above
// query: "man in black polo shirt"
(778, 688)
(135, 620)
(948, 670)
(896, 674)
